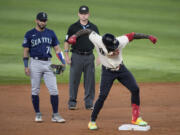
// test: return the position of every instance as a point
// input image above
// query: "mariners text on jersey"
(41, 40)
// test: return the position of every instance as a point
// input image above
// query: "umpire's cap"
(110, 42)
(83, 9)
(42, 16)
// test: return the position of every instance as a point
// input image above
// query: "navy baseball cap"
(83, 9)
(41, 16)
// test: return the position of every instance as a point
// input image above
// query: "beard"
(42, 27)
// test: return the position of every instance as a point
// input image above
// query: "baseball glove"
(57, 69)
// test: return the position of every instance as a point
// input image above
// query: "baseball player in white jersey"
(109, 49)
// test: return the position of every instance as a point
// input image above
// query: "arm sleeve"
(26, 42)
(123, 41)
(95, 38)
(55, 40)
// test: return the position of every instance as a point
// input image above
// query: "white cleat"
(57, 118)
(38, 117)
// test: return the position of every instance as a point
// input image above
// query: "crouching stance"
(109, 49)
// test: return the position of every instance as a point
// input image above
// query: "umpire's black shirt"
(83, 44)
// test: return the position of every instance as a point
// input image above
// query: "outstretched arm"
(133, 35)
(72, 39)
(83, 32)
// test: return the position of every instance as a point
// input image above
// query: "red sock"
(135, 112)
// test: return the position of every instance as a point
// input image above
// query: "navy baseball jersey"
(40, 43)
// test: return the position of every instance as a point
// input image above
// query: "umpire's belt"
(41, 58)
(82, 53)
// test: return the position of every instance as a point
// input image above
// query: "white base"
(127, 127)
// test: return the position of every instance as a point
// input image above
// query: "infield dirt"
(160, 107)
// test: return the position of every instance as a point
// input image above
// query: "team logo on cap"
(115, 41)
(83, 8)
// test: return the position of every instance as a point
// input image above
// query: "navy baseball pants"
(124, 76)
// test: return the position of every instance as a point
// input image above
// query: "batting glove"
(72, 39)
(153, 39)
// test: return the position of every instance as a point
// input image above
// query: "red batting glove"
(153, 39)
(72, 39)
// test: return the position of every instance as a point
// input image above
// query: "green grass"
(147, 62)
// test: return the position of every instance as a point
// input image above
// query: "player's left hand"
(153, 39)
(72, 39)
(57, 69)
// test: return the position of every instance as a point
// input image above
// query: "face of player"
(83, 17)
(114, 53)
(41, 25)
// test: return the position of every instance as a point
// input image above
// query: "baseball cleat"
(57, 118)
(38, 117)
(89, 108)
(72, 108)
(139, 121)
(92, 125)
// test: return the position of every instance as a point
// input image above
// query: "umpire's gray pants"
(79, 64)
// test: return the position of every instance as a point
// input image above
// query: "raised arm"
(134, 35)
(72, 39)
(83, 32)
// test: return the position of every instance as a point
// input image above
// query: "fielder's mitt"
(57, 69)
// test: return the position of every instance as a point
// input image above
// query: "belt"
(82, 53)
(43, 59)
(114, 69)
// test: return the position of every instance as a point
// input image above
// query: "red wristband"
(130, 36)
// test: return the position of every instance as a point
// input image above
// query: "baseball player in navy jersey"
(37, 45)
(109, 49)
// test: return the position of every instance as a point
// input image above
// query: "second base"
(134, 127)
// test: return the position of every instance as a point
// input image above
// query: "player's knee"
(35, 92)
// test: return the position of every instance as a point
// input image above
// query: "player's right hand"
(153, 39)
(27, 71)
(72, 39)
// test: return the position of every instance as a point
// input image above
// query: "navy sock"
(54, 102)
(35, 102)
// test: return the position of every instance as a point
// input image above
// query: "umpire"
(82, 60)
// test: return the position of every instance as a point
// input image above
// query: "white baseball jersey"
(105, 59)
